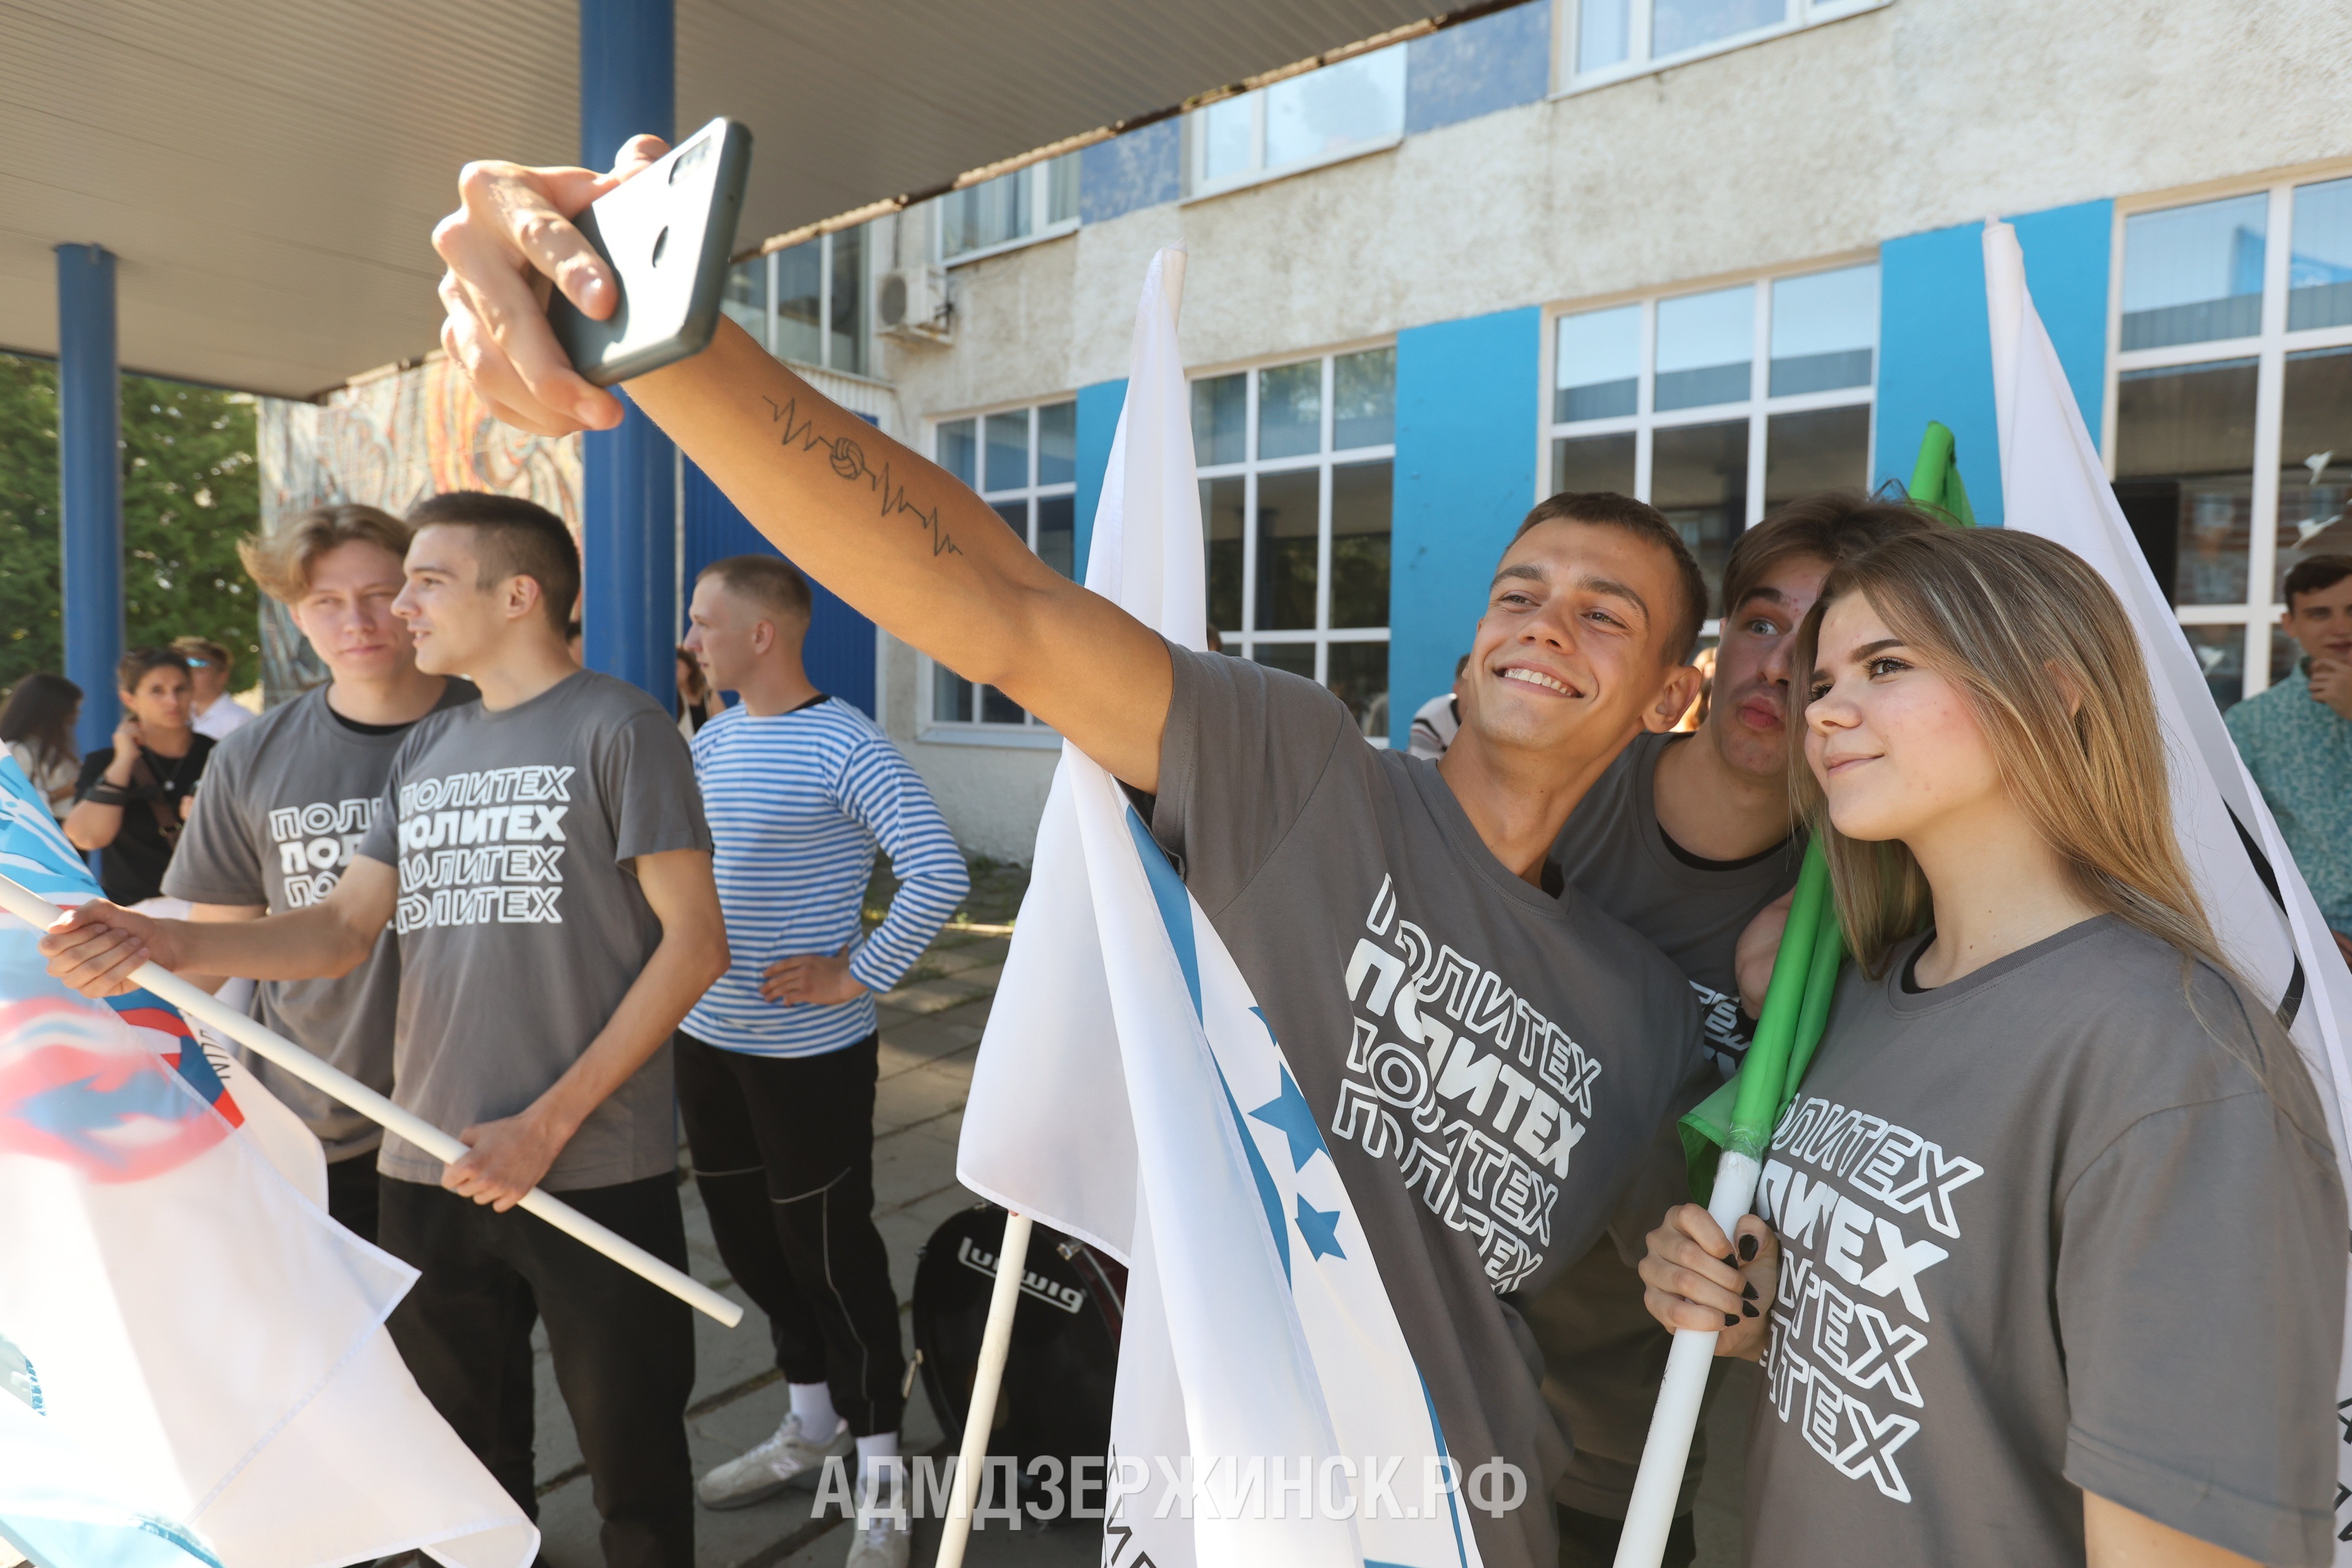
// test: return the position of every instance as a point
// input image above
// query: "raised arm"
(97, 946)
(889, 531)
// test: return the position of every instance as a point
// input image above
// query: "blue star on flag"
(1321, 1229)
(1289, 1113)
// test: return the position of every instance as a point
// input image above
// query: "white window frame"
(1040, 176)
(2270, 348)
(1756, 408)
(771, 262)
(1243, 641)
(1799, 15)
(1198, 187)
(1029, 731)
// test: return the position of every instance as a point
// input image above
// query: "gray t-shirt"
(520, 927)
(1604, 1355)
(1335, 872)
(2042, 1231)
(284, 801)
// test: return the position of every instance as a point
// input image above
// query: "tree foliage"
(189, 487)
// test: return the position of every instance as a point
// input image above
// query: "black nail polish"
(1748, 1292)
(1747, 1250)
(1747, 1312)
(1728, 1320)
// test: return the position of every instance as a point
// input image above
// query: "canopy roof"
(269, 175)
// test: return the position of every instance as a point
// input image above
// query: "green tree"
(189, 487)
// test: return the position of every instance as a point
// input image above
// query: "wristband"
(104, 794)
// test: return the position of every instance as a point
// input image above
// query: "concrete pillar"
(629, 499)
(90, 474)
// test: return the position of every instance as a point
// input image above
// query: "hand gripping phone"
(667, 233)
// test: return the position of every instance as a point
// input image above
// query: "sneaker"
(786, 1459)
(883, 1541)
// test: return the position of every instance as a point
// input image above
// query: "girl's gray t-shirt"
(1485, 1153)
(2044, 1233)
(520, 927)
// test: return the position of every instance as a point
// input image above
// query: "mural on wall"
(390, 440)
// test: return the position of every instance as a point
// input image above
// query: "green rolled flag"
(1742, 1113)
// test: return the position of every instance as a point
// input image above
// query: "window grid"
(1625, 27)
(2272, 348)
(752, 299)
(1201, 124)
(1244, 639)
(1047, 200)
(952, 702)
(1757, 410)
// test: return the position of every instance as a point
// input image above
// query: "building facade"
(1714, 253)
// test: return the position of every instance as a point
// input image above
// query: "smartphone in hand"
(667, 233)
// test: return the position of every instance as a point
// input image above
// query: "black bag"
(1055, 1400)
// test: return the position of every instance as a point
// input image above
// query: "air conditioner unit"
(913, 307)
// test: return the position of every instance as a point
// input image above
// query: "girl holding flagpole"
(2050, 1262)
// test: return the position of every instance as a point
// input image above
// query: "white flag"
(1129, 1092)
(2053, 485)
(193, 1368)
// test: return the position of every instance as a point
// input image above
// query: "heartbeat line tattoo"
(847, 459)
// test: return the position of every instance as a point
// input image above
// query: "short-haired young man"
(2297, 737)
(777, 1063)
(287, 798)
(1309, 851)
(1686, 838)
(210, 667)
(542, 856)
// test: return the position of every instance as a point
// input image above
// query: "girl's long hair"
(2045, 657)
(40, 710)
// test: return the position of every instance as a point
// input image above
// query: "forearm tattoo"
(848, 460)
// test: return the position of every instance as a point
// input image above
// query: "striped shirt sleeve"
(878, 788)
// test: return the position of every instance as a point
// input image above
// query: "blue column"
(629, 489)
(90, 474)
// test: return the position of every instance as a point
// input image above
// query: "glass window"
(2315, 460)
(1350, 105)
(2320, 264)
(800, 303)
(1698, 478)
(2194, 427)
(1679, 25)
(1825, 331)
(1024, 461)
(1602, 35)
(1034, 202)
(1298, 538)
(1697, 441)
(1290, 410)
(1598, 370)
(846, 349)
(1221, 419)
(2221, 650)
(746, 298)
(1363, 399)
(2194, 274)
(1705, 341)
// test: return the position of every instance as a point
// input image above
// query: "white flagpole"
(996, 1341)
(41, 914)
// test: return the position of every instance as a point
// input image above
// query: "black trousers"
(351, 1195)
(784, 1152)
(624, 1349)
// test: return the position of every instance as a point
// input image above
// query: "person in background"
(2296, 738)
(210, 666)
(38, 724)
(1439, 720)
(133, 796)
(699, 701)
(2041, 1092)
(1704, 664)
(777, 1063)
(287, 800)
(1686, 838)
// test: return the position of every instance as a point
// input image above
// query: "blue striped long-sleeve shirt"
(798, 803)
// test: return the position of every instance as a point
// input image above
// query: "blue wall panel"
(840, 650)
(1126, 173)
(1935, 340)
(1098, 410)
(1465, 474)
(1495, 62)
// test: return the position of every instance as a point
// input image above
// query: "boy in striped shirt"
(776, 1064)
